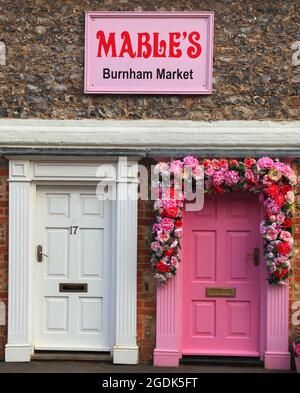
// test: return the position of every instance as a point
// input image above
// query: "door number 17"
(73, 229)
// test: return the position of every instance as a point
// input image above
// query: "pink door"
(216, 246)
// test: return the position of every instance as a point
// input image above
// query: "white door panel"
(74, 230)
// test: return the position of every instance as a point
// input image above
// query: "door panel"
(216, 246)
(74, 230)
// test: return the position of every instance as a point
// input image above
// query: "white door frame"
(25, 174)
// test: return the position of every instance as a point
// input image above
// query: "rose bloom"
(290, 196)
(155, 246)
(178, 223)
(167, 224)
(172, 212)
(190, 161)
(169, 252)
(280, 260)
(223, 164)
(265, 163)
(286, 188)
(287, 223)
(271, 233)
(163, 237)
(174, 261)
(280, 218)
(233, 163)
(249, 162)
(285, 236)
(283, 248)
(215, 164)
(281, 273)
(206, 163)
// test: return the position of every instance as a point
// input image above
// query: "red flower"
(162, 267)
(172, 212)
(287, 223)
(169, 252)
(215, 164)
(249, 162)
(286, 188)
(283, 248)
(272, 190)
(280, 199)
(218, 189)
(223, 163)
(281, 273)
(206, 163)
(233, 163)
(178, 224)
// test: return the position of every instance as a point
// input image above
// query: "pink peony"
(280, 260)
(231, 178)
(166, 224)
(190, 161)
(265, 163)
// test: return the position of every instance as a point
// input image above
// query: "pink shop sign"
(148, 53)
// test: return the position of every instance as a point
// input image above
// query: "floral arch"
(272, 179)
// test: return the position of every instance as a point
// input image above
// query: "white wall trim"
(24, 176)
(147, 134)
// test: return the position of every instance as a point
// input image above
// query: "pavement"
(45, 366)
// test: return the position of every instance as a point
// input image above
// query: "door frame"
(274, 324)
(25, 175)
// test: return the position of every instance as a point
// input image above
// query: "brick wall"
(146, 282)
(294, 280)
(3, 246)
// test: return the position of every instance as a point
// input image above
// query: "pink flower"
(271, 233)
(285, 236)
(190, 161)
(209, 171)
(231, 178)
(297, 349)
(286, 170)
(166, 224)
(218, 178)
(280, 260)
(280, 218)
(155, 246)
(265, 163)
(174, 261)
(163, 237)
(176, 167)
(290, 196)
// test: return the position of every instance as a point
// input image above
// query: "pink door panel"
(216, 246)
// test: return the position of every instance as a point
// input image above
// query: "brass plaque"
(65, 287)
(220, 292)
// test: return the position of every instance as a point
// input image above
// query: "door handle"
(39, 253)
(255, 256)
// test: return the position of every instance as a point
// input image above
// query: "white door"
(73, 281)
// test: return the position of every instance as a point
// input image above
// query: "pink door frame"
(274, 323)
